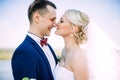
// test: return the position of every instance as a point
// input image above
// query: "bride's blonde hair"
(81, 20)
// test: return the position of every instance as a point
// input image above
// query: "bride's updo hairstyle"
(80, 19)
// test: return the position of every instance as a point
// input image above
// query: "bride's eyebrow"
(61, 18)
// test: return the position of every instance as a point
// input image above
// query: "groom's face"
(47, 21)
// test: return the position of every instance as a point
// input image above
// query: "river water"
(5, 70)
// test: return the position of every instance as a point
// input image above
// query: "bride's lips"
(57, 28)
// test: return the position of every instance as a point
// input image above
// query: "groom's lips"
(49, 29)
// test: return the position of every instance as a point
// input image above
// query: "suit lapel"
(40, 51)
(44, 57)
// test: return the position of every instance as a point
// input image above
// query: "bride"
(88, 53)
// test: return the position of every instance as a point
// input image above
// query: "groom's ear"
(36, 17)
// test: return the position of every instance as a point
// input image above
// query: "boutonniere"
(58, 58)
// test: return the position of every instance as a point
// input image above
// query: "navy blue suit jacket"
(30, 61)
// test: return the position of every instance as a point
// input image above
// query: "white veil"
(103, 55)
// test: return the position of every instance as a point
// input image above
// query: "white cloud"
(14, 26)
(11, 37)
(3, 23)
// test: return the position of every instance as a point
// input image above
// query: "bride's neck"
(69, 43)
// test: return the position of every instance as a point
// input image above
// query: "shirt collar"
(34, 37)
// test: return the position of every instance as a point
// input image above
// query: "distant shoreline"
(6, 53)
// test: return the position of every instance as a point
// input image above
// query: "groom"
(34, 59)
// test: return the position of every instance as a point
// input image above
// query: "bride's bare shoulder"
(78, 55)
(79, 60)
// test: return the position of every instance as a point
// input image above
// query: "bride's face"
(63, 27)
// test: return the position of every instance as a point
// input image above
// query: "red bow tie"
(43, 42)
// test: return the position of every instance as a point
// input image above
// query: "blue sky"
(14, 22)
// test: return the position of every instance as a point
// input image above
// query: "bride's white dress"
(61, 73)
(103, 58)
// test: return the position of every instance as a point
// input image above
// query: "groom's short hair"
(41, 6)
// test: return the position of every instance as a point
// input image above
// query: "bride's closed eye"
(61, 21)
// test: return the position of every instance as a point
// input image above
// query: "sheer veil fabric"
(103, 55)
